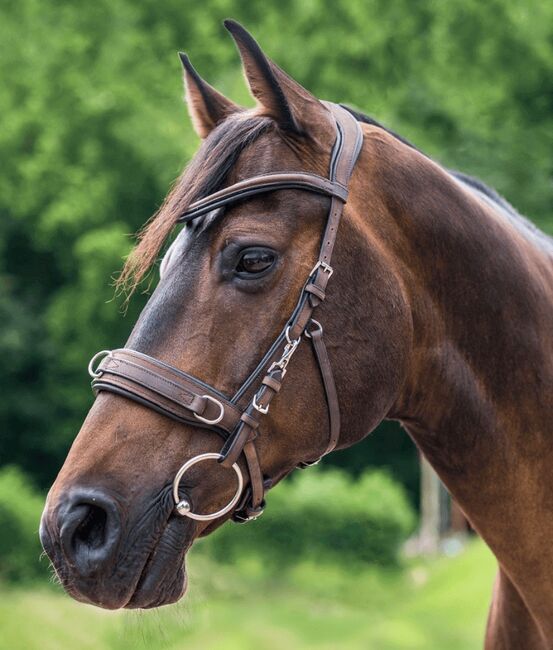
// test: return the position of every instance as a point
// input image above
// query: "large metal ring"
(95, 373)
(183, 505)
(218, 418)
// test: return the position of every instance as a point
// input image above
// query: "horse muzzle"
(102, 560)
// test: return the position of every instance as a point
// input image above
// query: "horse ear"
(278, 95)
(207, 107)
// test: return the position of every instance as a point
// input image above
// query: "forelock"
(204, 175)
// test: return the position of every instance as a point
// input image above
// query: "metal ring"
(291, 341)
(314, 322)
(183, 505)
(95, 373)
(218, 418)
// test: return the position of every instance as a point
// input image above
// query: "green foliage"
(326, 515)
(20, 510)
(93, 132)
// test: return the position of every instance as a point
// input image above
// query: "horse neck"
(478, 392)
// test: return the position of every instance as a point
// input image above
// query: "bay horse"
(439, 314)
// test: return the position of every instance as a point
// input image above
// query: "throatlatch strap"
(329, 387)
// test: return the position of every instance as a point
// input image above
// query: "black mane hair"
(475, 183)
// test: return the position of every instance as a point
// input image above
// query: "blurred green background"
(93, 132)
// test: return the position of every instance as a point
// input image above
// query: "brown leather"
(349, 130)
(330, 387)
(254, 503)
(179, 395)
(185, 398)
(261, 184)
(270, 387)
(343, 169)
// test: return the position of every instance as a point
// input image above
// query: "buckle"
(324, 266)
(259, 407)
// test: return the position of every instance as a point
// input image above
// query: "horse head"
(230, 344)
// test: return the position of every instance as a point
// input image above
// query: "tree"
(93, 132)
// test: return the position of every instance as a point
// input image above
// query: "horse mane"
(474, 184)
(205, 174)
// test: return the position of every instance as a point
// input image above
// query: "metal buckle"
(218, 418)
(97, 373)
(183, 506)
(259, 407)
(325, 267)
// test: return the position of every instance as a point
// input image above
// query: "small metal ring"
(218, 418)
(183, 506)
(291, 341)
(319, 328)
(95, 373)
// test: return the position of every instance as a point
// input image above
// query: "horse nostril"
(91, 531)
(90, 528)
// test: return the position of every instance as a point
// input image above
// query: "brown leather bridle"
(185, 398)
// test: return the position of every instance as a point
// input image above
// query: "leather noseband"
(184, 398)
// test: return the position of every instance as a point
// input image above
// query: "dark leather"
(329, 386)
(185, 398)
(175, 393)
(262, 184)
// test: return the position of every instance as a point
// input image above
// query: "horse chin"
(151, 593)
(163, 579)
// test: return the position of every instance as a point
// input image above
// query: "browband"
(184, 398)
(261, 184)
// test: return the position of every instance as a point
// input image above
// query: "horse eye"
(255, 261)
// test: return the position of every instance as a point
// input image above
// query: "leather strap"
(261, 184)
(349, 140)
(329, 387)
(341, 167)
(172, 392)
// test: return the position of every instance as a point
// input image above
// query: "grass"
(429, 605)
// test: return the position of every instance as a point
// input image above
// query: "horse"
(437, 312)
